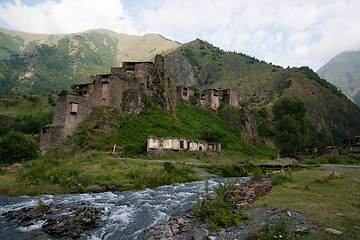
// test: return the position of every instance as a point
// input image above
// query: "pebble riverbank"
(187, 226)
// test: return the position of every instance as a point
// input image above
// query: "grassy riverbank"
(48, 175)
(75, 172)
(329, 199)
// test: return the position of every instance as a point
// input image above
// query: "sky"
(283, 32)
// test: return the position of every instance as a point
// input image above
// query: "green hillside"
(191, 122)
(344, 72)
(260, 84)
(26, 113)
(33, 63)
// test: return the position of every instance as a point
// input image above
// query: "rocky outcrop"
(72, 225)
(241, 119)
(180, 69)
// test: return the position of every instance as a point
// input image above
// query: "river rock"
(72, 225)
(94, 188)
(337, 232)
(200, 234)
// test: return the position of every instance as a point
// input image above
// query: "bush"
(278, 228)
(232, 170)
(281, 178)
(219, 212)
(258, 173)
(15, 147)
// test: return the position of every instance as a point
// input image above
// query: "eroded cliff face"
(241, 119)
(180, 69)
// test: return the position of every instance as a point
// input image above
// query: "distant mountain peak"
(344, 72)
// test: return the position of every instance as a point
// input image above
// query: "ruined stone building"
(128, 90)
(157, 145)
(210, 98)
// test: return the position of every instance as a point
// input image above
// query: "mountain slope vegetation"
(56, 62)
(192, 123)
(344, 72)
(37, 63)
(260, 84)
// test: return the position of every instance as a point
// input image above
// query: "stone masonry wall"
(126, 89)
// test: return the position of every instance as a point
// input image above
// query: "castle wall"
(229, 97)
(51, 137)
(65, 115)
(210, 99)
(126, 89)
(184, 92)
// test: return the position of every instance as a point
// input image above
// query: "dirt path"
(204, 174)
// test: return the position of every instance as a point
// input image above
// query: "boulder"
(200, 234)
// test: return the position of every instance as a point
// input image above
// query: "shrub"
(42, 207)
(15, 147)
(258, 173)
(226, 186)
(281, 178)
(219, 212)
(278, 228)
(232, 170)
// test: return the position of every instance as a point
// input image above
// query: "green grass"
(26, 113)
(20, 104)
(350, 159)
(191, 123)
(330, 200)
(74, 173)
(219, 212)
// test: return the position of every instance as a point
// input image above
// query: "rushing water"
(124, 215)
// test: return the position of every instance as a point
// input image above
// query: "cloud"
(283, 32)
(67, 16)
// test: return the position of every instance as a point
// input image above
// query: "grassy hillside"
(13, 42)
(191, 123)
(215, 68)
(33, 63)
(26, 113)
(344, 72)
(260, 84)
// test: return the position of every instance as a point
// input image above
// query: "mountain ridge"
(71, 59)
(260, 84)
(56, 62)
(344, 71)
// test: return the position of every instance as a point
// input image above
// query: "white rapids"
(124, 215)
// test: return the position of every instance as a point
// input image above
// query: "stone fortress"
(127, 90)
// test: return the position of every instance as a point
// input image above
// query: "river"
(124, 215)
